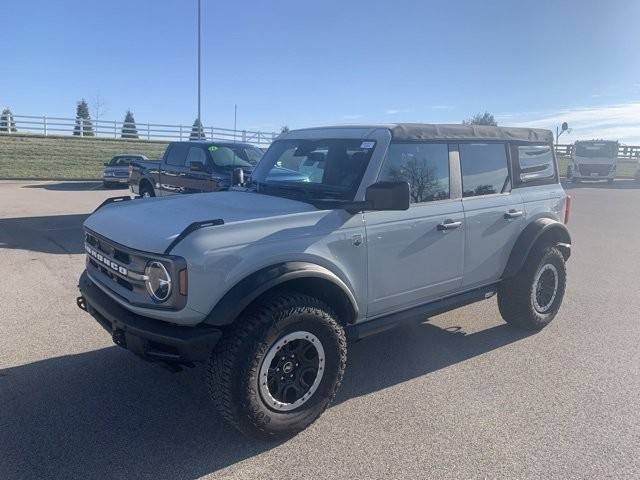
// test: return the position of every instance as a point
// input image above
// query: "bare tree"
(99, 105)
(485, 118)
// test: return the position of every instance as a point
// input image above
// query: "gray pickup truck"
(192, 167)
(265, 283)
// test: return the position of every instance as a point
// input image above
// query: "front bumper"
(120, 180)
(148, 338)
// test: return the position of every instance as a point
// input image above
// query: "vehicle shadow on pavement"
(107, 414)
(413, 350)
(58, 234)
(69, 186)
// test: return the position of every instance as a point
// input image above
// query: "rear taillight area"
(567, 209)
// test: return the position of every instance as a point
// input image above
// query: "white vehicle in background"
(593, 160)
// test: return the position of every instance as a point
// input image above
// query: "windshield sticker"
(367, 144)
(213, 148)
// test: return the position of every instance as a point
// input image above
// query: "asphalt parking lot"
(460, 396)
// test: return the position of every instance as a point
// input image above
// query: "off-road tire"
(234, 367)
(516, 295)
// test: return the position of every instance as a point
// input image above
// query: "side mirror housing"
(197, 167)
(388, 196)
(106, 164)
(237, 177)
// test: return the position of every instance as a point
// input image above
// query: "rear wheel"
(533, 297)
(279, 367)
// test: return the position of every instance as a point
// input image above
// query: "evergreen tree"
(129, 129)
(7, 122)
(83, 120)
(197, 131)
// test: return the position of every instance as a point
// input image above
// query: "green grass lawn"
(32, 157)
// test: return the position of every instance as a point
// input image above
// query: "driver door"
(415, 256)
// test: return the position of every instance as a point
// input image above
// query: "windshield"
(318, 168)
(599, 149)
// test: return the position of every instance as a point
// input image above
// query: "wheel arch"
(540, 231)
(304, 277)
(145, 181)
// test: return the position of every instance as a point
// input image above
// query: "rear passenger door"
(416, 256)
(494, 213)
(173, 169)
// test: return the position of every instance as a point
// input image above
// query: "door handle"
(513, 214)
(448, 225)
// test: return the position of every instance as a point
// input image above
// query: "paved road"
(462, 396)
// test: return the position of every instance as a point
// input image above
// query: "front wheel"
(146, 191)
(533, 297)
(279, 367)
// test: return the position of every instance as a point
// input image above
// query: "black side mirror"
(237, 177)
(106, 164)
(388, 196)
(197, 166)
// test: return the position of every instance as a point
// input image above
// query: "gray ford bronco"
(340, 232)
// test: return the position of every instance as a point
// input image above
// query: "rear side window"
(177, 153)
(534, 163)
(485, 169)
(425, 166)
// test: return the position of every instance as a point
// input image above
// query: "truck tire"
(532, 298)
(279, 366)
(146, 190)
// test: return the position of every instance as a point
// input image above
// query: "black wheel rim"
(545, 288)
(291, 371)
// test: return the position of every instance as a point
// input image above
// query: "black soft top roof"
(428, 131)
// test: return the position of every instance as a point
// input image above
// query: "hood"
(151, 224)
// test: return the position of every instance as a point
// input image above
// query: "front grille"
(108, 249)
(597, 169)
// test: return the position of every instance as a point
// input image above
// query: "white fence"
(44, 125)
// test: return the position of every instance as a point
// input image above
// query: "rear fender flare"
(540, 230)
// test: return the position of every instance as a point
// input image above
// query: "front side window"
(425, 166)
(484, 169)
(535, 162)
(196, 154)
(331, 168)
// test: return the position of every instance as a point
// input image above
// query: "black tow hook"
(82, 303)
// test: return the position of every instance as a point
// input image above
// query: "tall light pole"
(235, 121)
(199, 29)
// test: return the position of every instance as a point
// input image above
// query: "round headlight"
(158, 281)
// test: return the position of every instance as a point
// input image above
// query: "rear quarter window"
(534, 164)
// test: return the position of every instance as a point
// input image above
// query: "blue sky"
(303, 63)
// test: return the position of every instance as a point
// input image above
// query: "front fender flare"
(251, 287)
(545, 229)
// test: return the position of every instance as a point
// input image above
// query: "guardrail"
(44, 125)
(625, 152)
